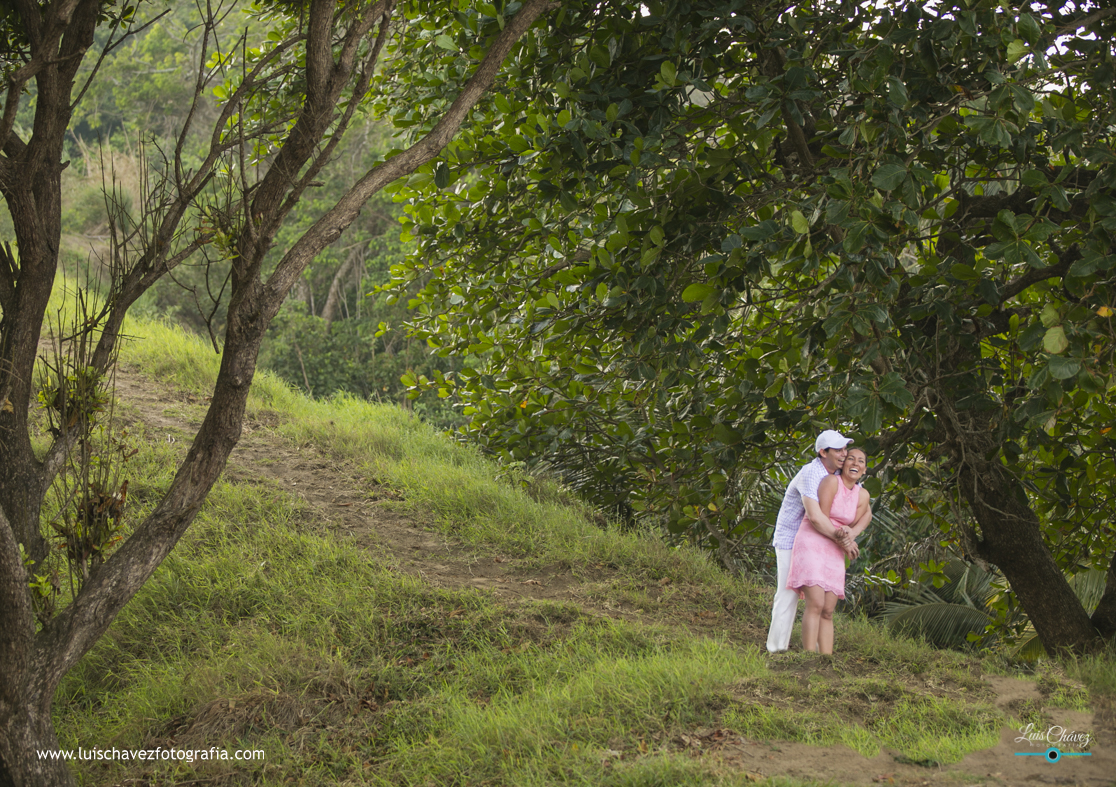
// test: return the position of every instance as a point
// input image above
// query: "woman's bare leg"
(825, 624)
(811, 617)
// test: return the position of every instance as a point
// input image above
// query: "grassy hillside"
(603, 658)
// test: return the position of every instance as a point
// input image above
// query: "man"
(801, 499)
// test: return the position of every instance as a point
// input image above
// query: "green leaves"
(889, 176)
(668, 73)
(657, 258)
(762, 231)
(864, 405)
(1063, 368)
(1055, 341)
(893, 389)
(869, 401)
(698, 292)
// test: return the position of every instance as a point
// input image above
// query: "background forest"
(624, 418)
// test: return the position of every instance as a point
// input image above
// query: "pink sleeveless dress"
(815, 559)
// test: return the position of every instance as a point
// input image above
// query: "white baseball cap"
(831, 439)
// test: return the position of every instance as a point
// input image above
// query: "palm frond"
(1030, 649)
(942, 624)
(1089, 587)
(914, 596)
(968, 584)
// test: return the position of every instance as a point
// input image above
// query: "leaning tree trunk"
(1104, 616)
(33, 664)
(1011, 538)
(337, 287)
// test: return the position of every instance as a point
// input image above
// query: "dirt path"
(338, 498)
(338, 495)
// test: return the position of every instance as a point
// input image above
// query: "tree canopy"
(681, 237)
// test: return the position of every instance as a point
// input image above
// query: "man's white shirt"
(804, 484)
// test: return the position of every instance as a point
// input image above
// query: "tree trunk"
(337, 286)
(21, 482)
(1012, 539)
(31, 183)
(25, 737)
(1104, 616)
(25, 723)
(33, 665)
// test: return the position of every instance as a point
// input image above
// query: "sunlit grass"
(448, 485)
(257, 610)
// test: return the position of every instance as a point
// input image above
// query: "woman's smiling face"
(856, 464)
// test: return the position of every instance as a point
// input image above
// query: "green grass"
(1097, 673)
(263, 631)
(448, 485)
(936, 731)
(571, 708)
(255, 609)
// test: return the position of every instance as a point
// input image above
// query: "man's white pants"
(785, 606)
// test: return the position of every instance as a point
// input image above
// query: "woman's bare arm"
(818, 511)
(863, 514)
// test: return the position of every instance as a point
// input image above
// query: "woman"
(817, 570)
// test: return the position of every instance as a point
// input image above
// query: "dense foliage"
(683, 236)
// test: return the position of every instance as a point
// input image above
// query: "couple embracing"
(824, 510)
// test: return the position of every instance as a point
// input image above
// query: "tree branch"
(109, 47)
(67, 636)
(330, 226)
(364, 79)
(1035, 275)
(1070, 24)
(315, 116)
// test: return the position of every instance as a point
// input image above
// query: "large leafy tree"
(689, 234)
(288, 100)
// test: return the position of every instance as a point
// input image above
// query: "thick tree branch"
(1070, 24)
(360, 87)
(1022, 200)
(42, 52)
(313, 120)
(31, 16)
(1035, 275)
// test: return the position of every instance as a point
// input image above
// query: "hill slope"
(365, 602)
